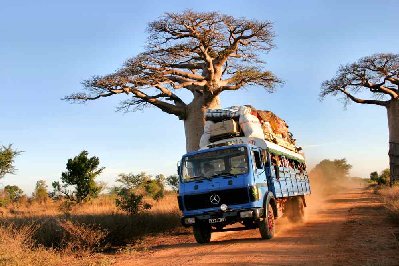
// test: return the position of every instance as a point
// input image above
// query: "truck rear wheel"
(295, 210)
(267, 225)
(202, 233)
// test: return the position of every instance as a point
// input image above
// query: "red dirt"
(350, 228)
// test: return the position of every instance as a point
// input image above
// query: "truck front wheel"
(267, 225)
(202, 233)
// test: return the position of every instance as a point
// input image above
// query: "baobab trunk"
(393, 126)
(195, 119)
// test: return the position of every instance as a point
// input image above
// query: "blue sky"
(48, 47)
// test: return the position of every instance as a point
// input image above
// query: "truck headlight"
(223, 207)
(246, 214)
(254, 194)
(189, 220)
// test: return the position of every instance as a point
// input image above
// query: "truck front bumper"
(223, 217)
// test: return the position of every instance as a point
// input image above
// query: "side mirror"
(258, 160)
(178, 168)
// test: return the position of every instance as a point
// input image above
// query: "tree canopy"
(81, 173)
(7, 157)
(204, 52)
(376, 76)
(332, 169)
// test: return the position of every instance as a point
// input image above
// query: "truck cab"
(239, 183)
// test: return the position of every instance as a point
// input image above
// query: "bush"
(173, 182)
(131, 203)
(382, 179)
(13, 193)
(41, 194)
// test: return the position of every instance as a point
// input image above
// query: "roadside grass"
(17, 247)
(390, 196)
(49, 230)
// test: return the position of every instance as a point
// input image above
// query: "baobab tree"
(377, 77)
(204, 53)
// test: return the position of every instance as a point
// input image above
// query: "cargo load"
(246, 121)
(224, 129)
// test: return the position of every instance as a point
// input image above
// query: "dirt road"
(350, 228)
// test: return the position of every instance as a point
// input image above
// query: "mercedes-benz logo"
(215, 199)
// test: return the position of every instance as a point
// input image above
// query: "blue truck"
(243, 181)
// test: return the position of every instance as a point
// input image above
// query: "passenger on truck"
(275, 164)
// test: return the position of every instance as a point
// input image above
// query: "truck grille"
(228, 197)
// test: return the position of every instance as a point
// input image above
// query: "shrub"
(13, 193)
(131, 203)
(40, 194)
(173, 182)
(382, 179)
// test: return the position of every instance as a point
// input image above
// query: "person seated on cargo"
(284, 161)
(275, 164)
(291, 164)
(208, 170)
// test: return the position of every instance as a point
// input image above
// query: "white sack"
(204, 141)
(251, 126)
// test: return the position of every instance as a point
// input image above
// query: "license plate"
(216, 220)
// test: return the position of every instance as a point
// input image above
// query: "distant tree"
(384, 177)
(374, 176)
(14, 193)
(155, 187)
(377, 76)
(80, 175)
(7, 157)
(143, 183)
(41, 194)
(173, 182)
(130, 192)
(381, 179)
(336, 169)
(204, 53)
(132, 181)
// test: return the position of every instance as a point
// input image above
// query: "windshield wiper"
(227, 174)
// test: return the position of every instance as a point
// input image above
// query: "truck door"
(259, 171)
(273, 175)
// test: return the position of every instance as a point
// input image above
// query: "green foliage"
(81, 173)
(155, 187)
(40, 194)
(7, 156)
(385, 176)
(131, 202)
(374, 176)
(133, 189)
(13, 193)
(132, 181)
(173, 182)
(332, 170)
(381, 179)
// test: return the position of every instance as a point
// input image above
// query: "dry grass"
(17, 247)
(93, 226)
(390, 196)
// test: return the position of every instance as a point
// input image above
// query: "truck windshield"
(227, 162)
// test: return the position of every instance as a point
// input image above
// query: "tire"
(295, 210)
(202, 233)
(267, 223)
